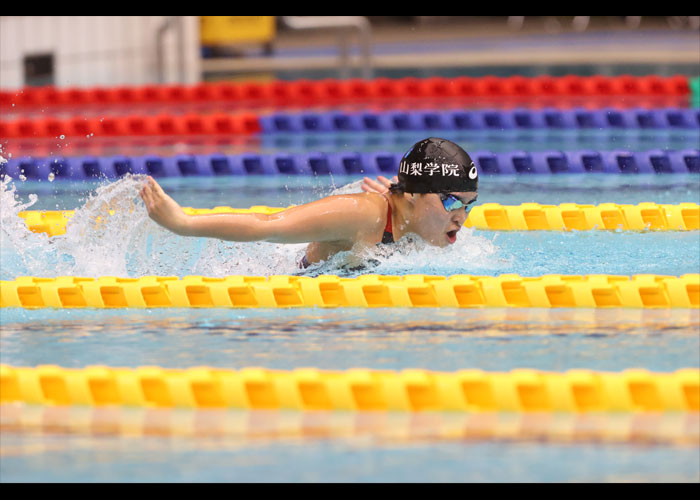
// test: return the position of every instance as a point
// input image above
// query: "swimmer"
(431, 197)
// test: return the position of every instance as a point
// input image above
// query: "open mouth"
(452, 236)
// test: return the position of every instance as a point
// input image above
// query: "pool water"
(370, 141)
(282, 191)
(52, 445)
(336, 339)
(130, 244)
(364, 458)
(134, 445)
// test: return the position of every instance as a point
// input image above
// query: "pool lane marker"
(547, 162)
(410, 390)
(366, 291)
(644, 216)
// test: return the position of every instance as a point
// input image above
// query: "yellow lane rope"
(575, 391)
(488, 216)
(506, 290)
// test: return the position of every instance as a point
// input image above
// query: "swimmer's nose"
(460, 217)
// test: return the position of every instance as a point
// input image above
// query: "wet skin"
(330, 225)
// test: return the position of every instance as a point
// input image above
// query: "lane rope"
(550, 162)
(487, 216)
(366, 291)
(246, 123)
(330, 91)
(575, 391)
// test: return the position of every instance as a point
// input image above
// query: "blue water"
(433, 339)
(262, 448)
(479, 140)
(282, 191)
(391, 339)
(132, 245)
(58, 458)
(635, 140)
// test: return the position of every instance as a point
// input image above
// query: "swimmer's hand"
(381, 187)
(162, 208)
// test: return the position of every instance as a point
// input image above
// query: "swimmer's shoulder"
(370, 207)
(371, 203)
(363, 201)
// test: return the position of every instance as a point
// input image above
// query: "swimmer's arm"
(325, 220)
(336, 218)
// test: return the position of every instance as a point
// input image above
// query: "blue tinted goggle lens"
(452, 203)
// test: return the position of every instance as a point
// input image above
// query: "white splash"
(17, 243)
(352, 188)
(88, 248)
(470, 254)
(112, 235)
(225, 258)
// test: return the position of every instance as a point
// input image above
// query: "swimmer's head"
(436, 165)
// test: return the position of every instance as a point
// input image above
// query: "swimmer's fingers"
(147, 197)
(162, 208)
(387, 183)
(155, 187)
(154, 195)
(371, 186)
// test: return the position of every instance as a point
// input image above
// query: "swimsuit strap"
(388, 228)
(388, 236)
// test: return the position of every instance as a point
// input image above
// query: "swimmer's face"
(434, 223)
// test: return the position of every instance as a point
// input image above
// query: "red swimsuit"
(388, 231)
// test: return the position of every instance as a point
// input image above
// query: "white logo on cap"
(472, 172)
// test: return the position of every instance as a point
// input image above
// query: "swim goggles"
(451, 202)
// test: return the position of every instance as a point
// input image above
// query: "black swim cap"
(437, 166)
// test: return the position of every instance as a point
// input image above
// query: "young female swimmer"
(435, 189)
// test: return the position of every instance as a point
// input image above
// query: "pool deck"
(487, 44)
